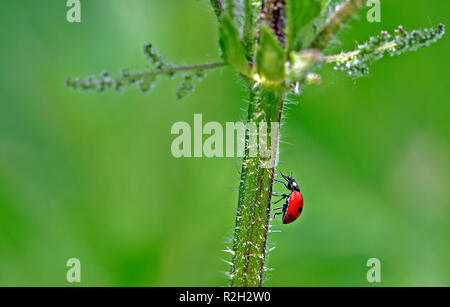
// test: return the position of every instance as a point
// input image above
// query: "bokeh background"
(91, 176)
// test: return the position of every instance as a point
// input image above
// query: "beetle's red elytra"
(293, 207)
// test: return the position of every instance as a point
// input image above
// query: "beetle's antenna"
(285, 177)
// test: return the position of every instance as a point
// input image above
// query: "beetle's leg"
(276, 213)
(276, 194)
(282, 197)
(283, 213)
(285, 184)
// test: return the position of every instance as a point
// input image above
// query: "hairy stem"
(253, 212)
(257, 175)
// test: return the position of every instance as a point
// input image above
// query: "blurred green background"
(91, 176)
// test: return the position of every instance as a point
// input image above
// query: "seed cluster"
(356, 63)
(186, 85)
(154, 57)
(144, 81)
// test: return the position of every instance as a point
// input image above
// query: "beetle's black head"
(292, 184)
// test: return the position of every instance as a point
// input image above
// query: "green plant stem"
(255, 191)
(335, 23)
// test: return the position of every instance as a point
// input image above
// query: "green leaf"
(251, 22)
(270, 57)
(217, 7)
(299, 13)
(234, 52)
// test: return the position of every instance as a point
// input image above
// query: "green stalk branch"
(356, 63)
(351, 54)
(145, 81)
(173, 69)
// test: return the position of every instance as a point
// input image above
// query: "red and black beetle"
(294, 201)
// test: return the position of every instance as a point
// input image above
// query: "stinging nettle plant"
(275, 45)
